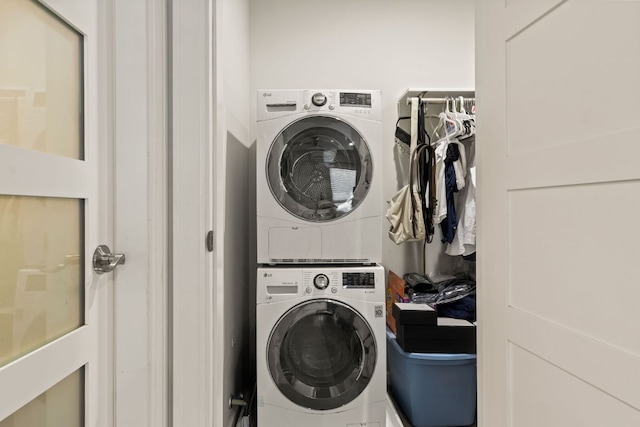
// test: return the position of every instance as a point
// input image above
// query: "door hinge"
(210, 241)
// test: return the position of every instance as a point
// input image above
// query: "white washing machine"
(319, 189)
(321, 346)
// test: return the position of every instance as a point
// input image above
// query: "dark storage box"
(419, 330)
(414, 314)
(450, 336)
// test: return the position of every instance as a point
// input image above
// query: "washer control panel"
(338, 282)
(359, 280)
(283, 283)
(319, 99)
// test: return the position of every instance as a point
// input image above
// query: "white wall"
(234, 161)
(366, 44)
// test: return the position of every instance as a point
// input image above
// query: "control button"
(308, 290)
(321, 281)
(319, 99)
(332, 107)
(307, 106)
(334, 290)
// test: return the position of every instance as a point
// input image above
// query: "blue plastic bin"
(433, 390)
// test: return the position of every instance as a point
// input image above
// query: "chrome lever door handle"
(104, 261)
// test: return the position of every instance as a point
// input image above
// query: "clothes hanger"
(462, 109)
(468, 127)
(402, 136)
(453, 126)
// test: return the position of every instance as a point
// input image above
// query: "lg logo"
(265, 94)
(268, 275)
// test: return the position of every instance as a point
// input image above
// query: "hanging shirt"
(464, 241)
(440, 212)
(460, 166)
(450, 223)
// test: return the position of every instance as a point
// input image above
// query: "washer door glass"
(321, 354)
(319, 168)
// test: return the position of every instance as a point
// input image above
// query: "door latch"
(210, 241)
(104, 261)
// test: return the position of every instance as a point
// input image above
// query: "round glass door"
(321, 354)
(319, 168)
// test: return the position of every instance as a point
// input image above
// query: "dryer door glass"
(319, 168)
(321, 354)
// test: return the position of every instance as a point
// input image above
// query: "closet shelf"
(404, 109)
(435, 93)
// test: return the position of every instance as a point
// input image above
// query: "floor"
(394, 417)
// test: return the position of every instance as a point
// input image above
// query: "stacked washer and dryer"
(321, 355)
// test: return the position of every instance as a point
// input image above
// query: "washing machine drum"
(319, 168)
(321, 354)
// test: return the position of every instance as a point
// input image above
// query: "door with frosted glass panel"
(51, 300)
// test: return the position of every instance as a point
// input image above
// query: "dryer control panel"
(359, 103)
(364, 103)
(355, 99)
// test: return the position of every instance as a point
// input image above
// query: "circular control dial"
(321, 281)
(319, 99)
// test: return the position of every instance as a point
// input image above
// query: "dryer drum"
(319, 168)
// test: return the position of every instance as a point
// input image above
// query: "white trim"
(158, 386)
(219, 167)
(106, 191)
(74, 14)
(141, 185)
(131, 210)
(521, 15)
(49, 364)
(29, 173)
(192, 197)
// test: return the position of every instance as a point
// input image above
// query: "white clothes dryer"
(319, 189)
(321, 346)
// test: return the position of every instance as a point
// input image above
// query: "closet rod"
(440, 100)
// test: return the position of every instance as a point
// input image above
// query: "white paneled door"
(559, 197)
(51, 217)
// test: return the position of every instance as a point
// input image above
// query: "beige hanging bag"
(405, 207)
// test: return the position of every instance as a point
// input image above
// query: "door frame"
(167, 313)
(135, 116)
(197, 355)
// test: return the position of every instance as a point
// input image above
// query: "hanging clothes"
(426, 164)
(450, 222)
(460, 166)
(440, 213)
(441, 189)
(464, 241)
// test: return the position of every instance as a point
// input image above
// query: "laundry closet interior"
(404, 49)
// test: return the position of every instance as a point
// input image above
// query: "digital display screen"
(359, 280)
(355, 99)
